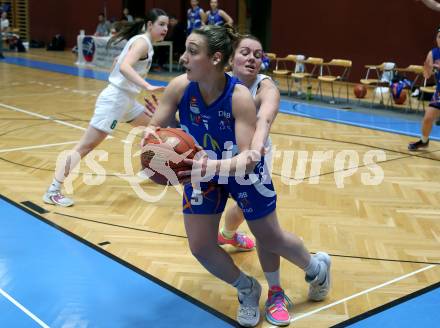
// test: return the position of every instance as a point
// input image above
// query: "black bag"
(36, 44)
(57, 44)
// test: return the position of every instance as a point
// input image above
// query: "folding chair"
(342, 65)
(288, 62)
(416, 71)
(384, 75)
(312, 62)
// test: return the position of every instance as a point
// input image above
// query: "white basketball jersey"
(141, 67)
(254, 87)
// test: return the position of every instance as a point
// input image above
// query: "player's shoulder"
(178, 85)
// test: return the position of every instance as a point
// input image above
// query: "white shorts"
(115, 105)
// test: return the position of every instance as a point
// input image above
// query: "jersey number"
(196, 197)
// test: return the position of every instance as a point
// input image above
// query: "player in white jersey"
(117, 102)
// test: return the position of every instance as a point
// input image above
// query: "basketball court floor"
(119, 259)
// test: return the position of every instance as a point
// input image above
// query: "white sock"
(312, 269)
(227, 233)
(242, 282)
(273, 278)
(424, 139)
(55, 186)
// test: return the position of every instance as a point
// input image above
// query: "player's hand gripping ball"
(163, 152)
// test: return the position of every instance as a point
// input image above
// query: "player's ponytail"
(129, 30)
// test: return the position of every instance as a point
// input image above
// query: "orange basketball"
(402, 98)
(360, 91)
(163, 154)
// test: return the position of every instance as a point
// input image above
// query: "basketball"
(399, 98)
(163, 154)
(360, 91)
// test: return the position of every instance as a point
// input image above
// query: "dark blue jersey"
(212, 127)
(194, 19)
(214, 18)
(436, 60)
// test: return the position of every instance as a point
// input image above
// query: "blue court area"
(418, 310)
(65, 69)
(372, 120)
(66, 283)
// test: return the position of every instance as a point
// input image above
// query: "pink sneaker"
(240, 241)
(277, 307)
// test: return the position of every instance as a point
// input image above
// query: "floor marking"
(22, 308)
(307, 314)
(45, 117)
(37, 146)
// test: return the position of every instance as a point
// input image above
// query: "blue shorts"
(255, 200)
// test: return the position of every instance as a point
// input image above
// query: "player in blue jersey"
(220, 114)
(432, 113)
(218, 16)
(196, 17)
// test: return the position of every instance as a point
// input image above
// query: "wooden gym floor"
(384, 238)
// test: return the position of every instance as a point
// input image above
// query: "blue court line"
(419, 309)
(65, 282)
(364, 120)
(65, 69)
(370, 121)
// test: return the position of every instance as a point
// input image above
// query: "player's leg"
(431, 115)
(89, 141)
(202, 210)
(109, 108)
(228, 234)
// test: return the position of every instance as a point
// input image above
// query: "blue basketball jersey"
(435, 100)
(194, 19)
(212, 127)
(436, 60)
(214, 18)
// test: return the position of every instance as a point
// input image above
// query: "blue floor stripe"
(64, 69)
(410, 127)
(382, 122)
(66, 283)
(421, 311)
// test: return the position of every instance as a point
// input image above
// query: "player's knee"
(200, 250)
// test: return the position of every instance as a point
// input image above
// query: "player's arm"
(428, 66)
(203, 17)
(244, 111)
(165, 115)
(206, 16)
(137, 51)
(226, 17)
(269, 99)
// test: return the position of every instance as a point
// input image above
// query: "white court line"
(301, 316)
(37, 146)
(21, 307)
(46, 118)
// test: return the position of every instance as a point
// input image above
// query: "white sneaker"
(57, 198)
(320, 285)
(248, 314)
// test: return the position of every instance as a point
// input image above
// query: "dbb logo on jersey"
(194, 111)
(88, 48)
(225, 120)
